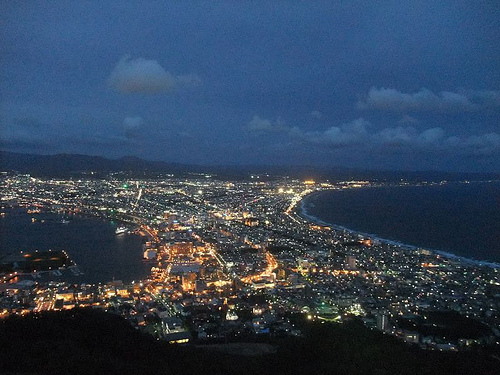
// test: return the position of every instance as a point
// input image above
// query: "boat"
(121, 230)
(64, 221)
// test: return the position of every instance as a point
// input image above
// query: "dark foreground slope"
(93, 342)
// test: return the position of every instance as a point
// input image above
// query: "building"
(181, 248)
(382, 322)
(251, 222)
(350, 262)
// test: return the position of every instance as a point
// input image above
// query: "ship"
(120, 230)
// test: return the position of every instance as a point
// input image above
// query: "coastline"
(301, 210)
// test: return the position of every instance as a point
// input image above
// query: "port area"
(16, 265)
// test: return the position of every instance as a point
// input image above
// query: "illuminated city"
(250, 187)
(229, 259)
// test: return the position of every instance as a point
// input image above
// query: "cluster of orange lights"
(272, 264)
(343, 272)
(429, 265)
(319, 227)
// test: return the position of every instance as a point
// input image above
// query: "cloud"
(132, 126)
(261, 125)
(146, 77)
(351, 133)
(357, 135)
(348, 134)
(485, 98)
(316, 114)
(486, 144)
(409, 137)
(425, 100)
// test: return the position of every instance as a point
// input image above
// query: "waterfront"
(461, 219)
(241, 249)
(90, 242)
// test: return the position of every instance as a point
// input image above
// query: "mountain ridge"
(64, 164)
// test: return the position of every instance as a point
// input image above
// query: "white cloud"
(425, 100)
(258, 123)
(408, 137)
(431, 135)
(145, 76)
(357, 134)
(395, 136)
(351, 133)
(347, 134)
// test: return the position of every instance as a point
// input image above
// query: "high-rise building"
(382, 321)
(350, 262)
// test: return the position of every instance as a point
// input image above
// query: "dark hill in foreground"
(93, 342)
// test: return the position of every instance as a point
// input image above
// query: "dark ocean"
(462, 219)
(90, 242)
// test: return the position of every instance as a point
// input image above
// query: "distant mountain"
(71, 164)
(63, 165)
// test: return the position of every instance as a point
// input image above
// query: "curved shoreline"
(301, 211)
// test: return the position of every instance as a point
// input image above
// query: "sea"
(460, 219)
(99, 253)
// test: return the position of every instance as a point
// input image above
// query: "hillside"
(86, 341)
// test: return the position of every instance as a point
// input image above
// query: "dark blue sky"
(372, 84)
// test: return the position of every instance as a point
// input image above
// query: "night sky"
(412, 85)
